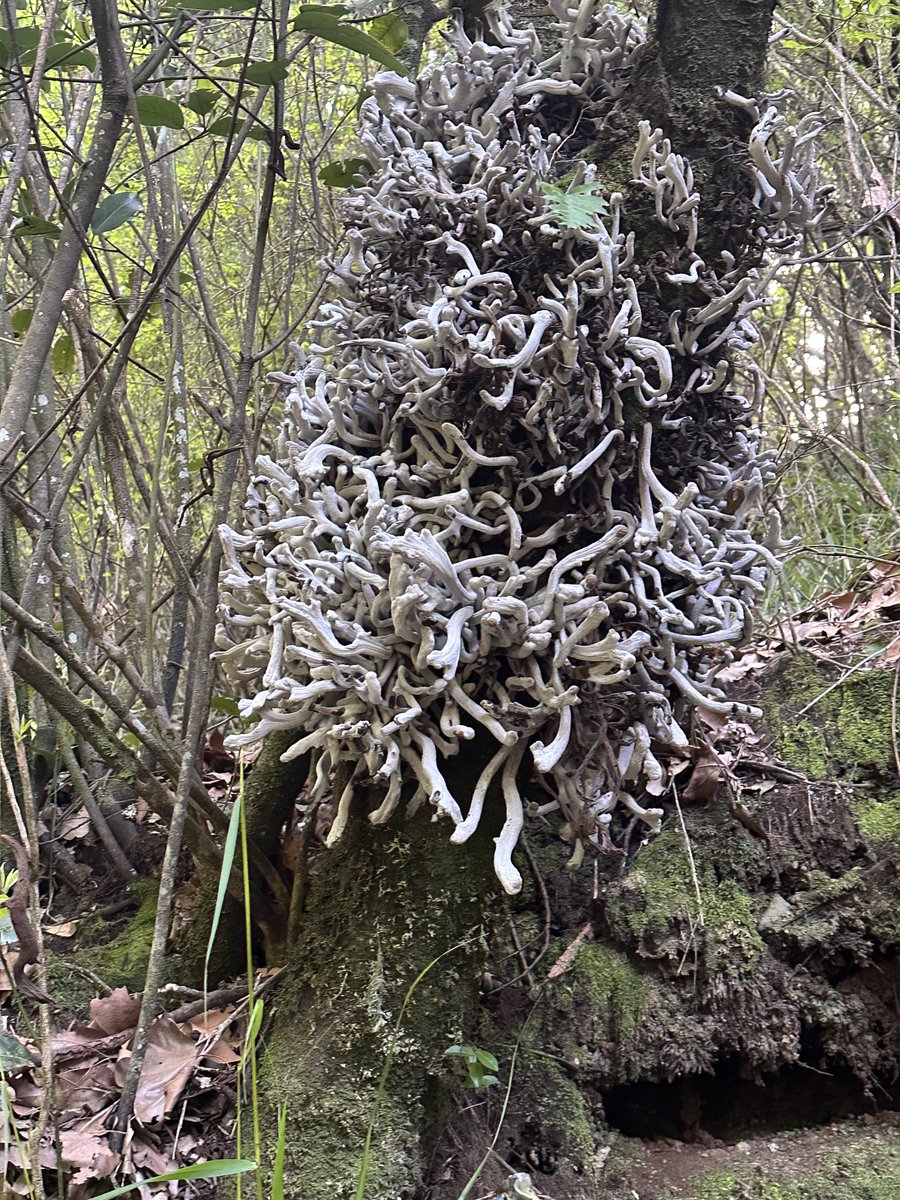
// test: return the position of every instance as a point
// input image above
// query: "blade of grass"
(207, 1170)
(228, 852)
(255, 1005)
(280, 1147)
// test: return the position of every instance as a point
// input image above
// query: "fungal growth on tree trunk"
(517, 484)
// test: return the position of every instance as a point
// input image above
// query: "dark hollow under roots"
(727, 1107)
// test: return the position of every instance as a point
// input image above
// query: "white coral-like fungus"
(507, 493)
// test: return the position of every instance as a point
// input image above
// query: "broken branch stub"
(512, 489)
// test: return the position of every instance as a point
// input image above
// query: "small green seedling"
(577, 207)
(473, 1066)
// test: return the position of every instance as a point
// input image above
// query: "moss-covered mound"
(724, 982)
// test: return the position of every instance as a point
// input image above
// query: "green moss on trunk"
(119, 960)
(385, 904)
(686, 911)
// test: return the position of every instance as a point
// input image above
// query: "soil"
(815, 1163)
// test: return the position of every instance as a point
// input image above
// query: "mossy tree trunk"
(388, 907)
(387, 903)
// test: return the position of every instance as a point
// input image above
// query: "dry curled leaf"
(568, 955)
(115, 1012)
(703, 784)
(65, 930)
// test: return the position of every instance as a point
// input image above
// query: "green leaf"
(320, 22)
(221, 704)
(487, 1060)
(20, 321)
(343, 174)
(228, 850)
(578, 207)
(391, 30)
(331, 10)
(253, 1027)
(62, 356)
(24, 204)
(222, 128)
(205, 1170)
(266, 72)
(37, 227)
(114, 211)
(203, 100)
(27, 37)
(13, 1055)
(65, 54)
(894, 289)
(157, 111)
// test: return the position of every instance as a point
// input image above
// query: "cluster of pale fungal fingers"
(508, 497)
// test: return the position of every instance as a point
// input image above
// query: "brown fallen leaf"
(751, 660)
(809, 631)
(86, 1148)
(74, 827)
(220, 1052)
(65, 930)
(713, 720)
(210, 1021)
(567, 957)
(843, 602)
(215, 755)
(169, 1063)
(146, 1157)
(84, 1086)
(116, 1012)
(704, 783)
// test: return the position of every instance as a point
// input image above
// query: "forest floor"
(857, 1159)
(98, 945)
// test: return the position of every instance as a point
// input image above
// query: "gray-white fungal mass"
(507, 494)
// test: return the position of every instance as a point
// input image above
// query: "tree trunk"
(674, 979)
(383, 978)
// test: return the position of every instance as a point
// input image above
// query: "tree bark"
(35, 347)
